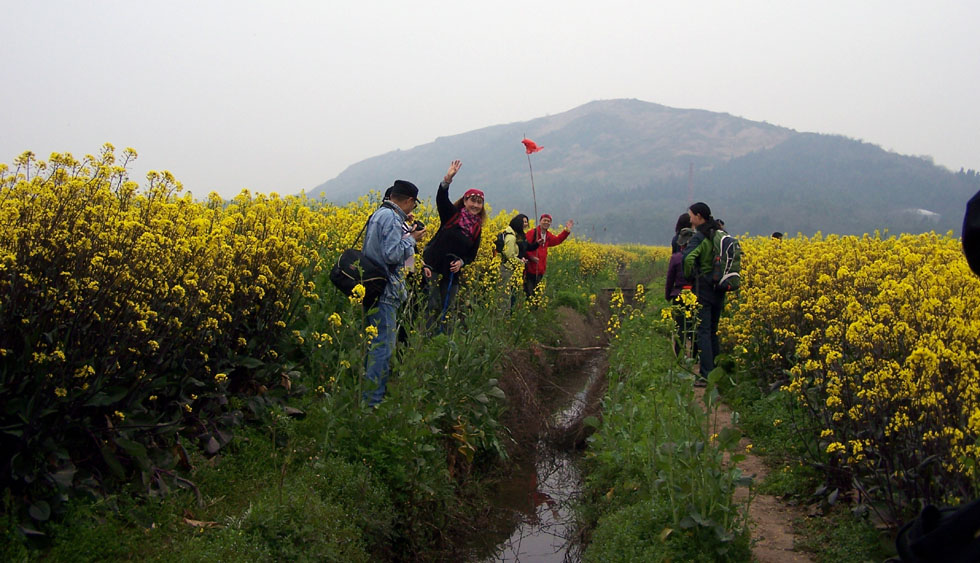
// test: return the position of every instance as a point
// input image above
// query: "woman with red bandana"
(537, 260)
(454, 245)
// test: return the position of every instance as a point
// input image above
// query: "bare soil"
(771, 520)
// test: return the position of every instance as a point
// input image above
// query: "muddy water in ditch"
(533, 509)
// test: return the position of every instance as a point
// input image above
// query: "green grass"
(657, 488)
(264, 502)
(842, 536)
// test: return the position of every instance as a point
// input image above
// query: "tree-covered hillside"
(625, 169)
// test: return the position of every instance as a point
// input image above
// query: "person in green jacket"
(698, 257)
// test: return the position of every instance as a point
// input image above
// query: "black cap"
(403, 187)
(971, 233)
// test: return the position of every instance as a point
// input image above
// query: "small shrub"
(572, 300)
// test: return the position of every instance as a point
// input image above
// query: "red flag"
(530, 146)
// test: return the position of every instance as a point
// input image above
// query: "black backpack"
(941, 534)
(498, 243)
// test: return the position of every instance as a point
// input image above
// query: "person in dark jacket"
(676, 283)
(971, 233)
(697, 266)
(454, 245)
(683, 222)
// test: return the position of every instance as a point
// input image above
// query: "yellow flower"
(835, 448)
(119, 415)
(220, 377)
(357, 294)
(60, 391)
(371, 331)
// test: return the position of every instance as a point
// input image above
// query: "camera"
(419, 226)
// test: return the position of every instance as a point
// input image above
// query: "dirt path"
(771, 519)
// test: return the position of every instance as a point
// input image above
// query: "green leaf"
(135, 450)
(715, 375)
(107, 397)
(21, 465)
(212, 446)
(591, 421)
(40, 511)
(696, 516)
(497, 392)
(64, 477)
(728, 438)
(113, 462)
(250, 363)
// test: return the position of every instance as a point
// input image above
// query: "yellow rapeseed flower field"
(135, 308)
(879, 339)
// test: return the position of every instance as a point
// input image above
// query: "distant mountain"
(623, 170)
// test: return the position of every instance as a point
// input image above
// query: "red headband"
(473, 192)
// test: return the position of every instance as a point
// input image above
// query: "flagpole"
(534, 196)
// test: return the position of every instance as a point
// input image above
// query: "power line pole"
(690, 183)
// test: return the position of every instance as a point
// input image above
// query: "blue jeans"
(707, 337)
(377, 364)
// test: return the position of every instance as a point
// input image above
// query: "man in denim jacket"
(385, 244)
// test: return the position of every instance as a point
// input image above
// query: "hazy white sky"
(281, 96)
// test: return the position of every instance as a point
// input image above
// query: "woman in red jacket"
(537, 260)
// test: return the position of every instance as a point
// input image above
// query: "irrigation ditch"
(527, 506)
(528, 514)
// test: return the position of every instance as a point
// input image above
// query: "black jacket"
(450, 238)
